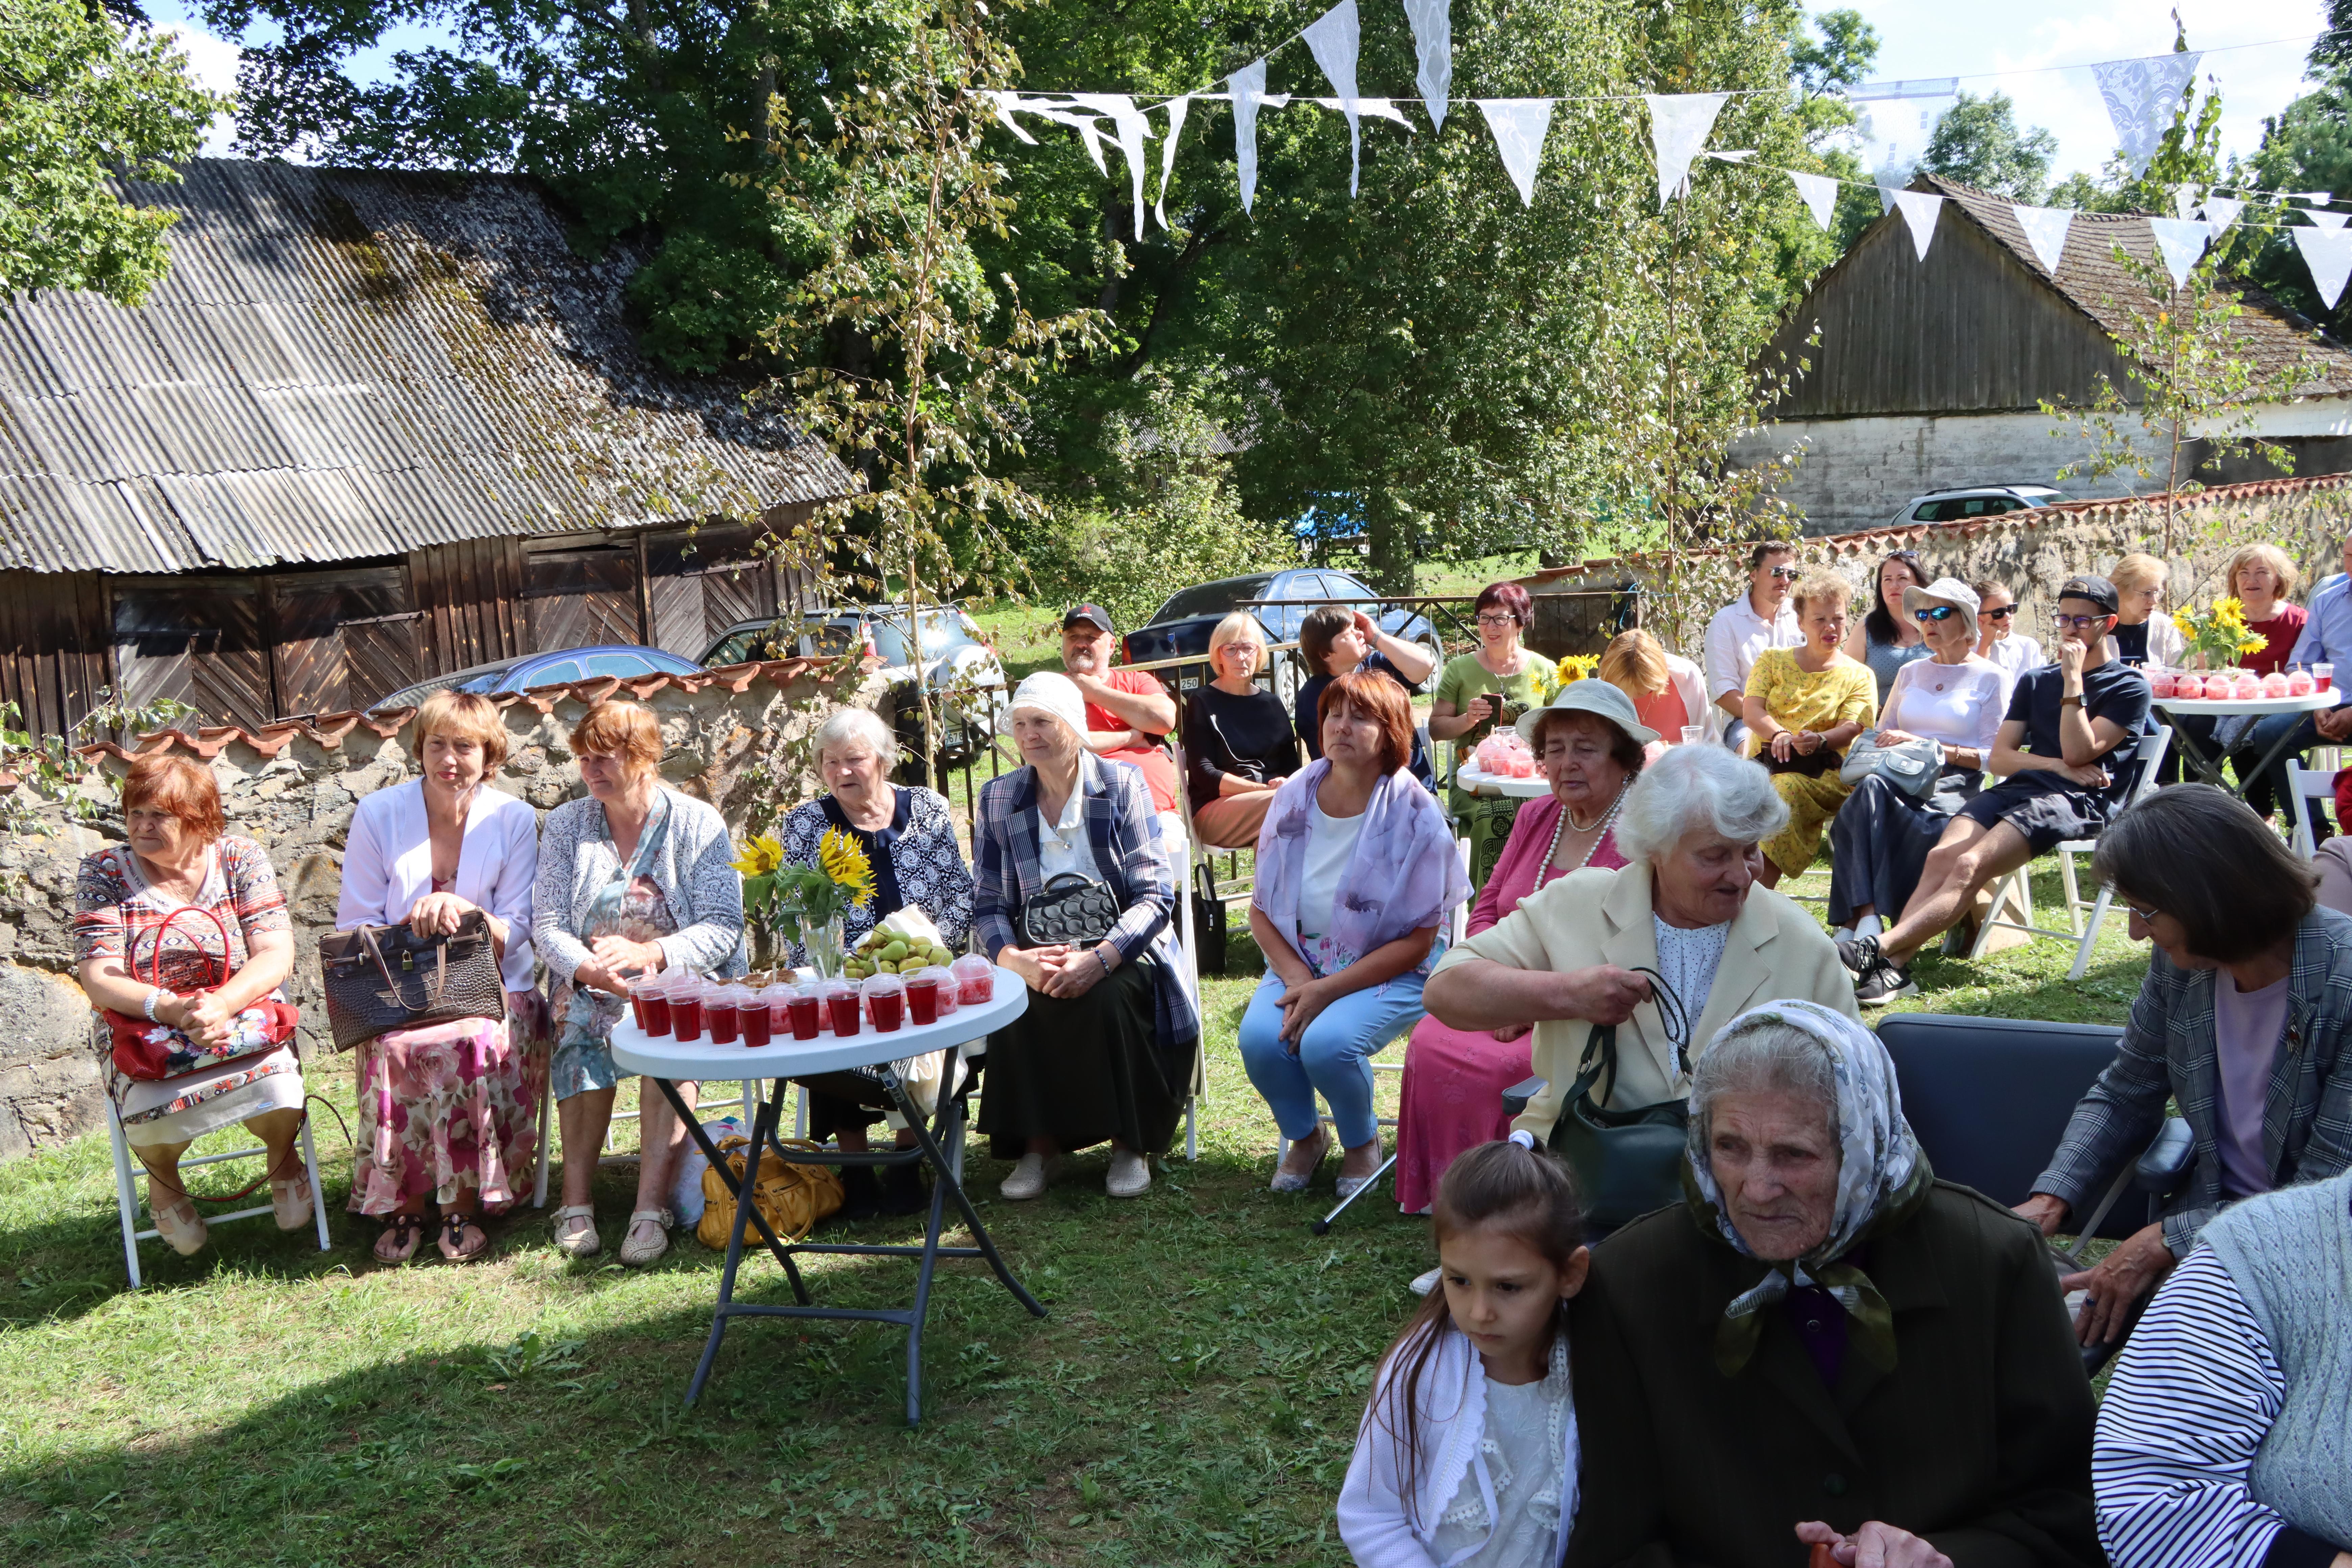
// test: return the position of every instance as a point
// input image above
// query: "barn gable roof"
(1982, 325)
(343, 364)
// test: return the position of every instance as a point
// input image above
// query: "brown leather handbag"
(381, 978)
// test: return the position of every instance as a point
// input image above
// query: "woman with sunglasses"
(1495, 683)
(1997, 637)
(1880, 838)
(1885, 640)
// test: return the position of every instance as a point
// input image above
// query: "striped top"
(2194, 1395)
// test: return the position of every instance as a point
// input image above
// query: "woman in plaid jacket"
(1105, 1050)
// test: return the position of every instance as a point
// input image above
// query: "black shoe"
(1884, 984)
(861, 1194)
(903, 1191)
(1859, 953)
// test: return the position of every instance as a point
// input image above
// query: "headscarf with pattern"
(1883, 1178)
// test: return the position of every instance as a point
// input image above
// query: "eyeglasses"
(2145, 917)
(2001, 615)
(2080, 623)
(1498, 618)
(1786, 574)
(1934, 612)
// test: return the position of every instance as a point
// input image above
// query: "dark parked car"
(526, 670)
(957, 658)
(1180, 627)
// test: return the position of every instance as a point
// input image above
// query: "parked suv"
(1977, 500)
(1180, 627)
(964, 673)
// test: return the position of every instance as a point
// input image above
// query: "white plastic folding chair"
(2304, 786)
(129, 1173)
(2016, 884)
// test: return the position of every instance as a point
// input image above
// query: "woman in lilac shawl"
(1356, 870)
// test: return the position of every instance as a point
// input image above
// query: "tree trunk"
(1388, 528)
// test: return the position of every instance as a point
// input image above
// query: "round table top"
(2310, 702)
(1478, 781)
(634, 1051)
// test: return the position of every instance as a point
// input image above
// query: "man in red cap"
(1127, 710)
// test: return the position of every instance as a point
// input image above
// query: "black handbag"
(381, 978)
(1071, 909)
(1208, 920)
(1627, 1162)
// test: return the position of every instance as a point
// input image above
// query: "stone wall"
(737, 738)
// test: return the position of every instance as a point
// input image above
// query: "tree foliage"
(1976, 142)
(81, 103)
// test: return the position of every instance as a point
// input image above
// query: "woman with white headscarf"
(1824, 1345)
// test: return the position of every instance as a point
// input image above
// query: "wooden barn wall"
(471, 594)
(53, 633)
(1970, 329)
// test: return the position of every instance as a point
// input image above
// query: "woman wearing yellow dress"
(1805, 707)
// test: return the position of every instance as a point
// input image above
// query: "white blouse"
(1330, 845)
(388, 865)
(1960, 704)
(1062, 847)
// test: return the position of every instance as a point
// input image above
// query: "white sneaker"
(1027, 1180)
(1423, 1284)
(1131, 1174)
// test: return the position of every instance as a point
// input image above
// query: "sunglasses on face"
(1786, 574)
(2001, 615)
(1934, 612)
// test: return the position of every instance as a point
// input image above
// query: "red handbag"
(152, 1051)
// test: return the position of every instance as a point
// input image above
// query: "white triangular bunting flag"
(2221, 212)
(1007, 102)
(2322, 197)
(1128, 120)
(2142, 97)
(1378, 107)
(2181, 244)
(1520, 126)
(2045, 231)
(2184, 201)
(2331, 222)
(1920, 210)
(1248, 87)
(1679, 123)
(1820, 193)
(1433, 42)
(1332, 37)
(1177, 108)
(2329, 257)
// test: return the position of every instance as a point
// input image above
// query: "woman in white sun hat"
(1105, 1051)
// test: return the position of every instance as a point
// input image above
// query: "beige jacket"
(1774, 951)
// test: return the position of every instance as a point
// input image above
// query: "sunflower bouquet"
(807, 901)
(2218, 637)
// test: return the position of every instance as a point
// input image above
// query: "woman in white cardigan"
(447, 1112)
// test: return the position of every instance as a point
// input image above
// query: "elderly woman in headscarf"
(1823, 1344)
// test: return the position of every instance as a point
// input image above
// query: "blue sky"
(2255, 51)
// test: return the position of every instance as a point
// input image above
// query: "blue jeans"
(2305, 733)
(1335, 1056)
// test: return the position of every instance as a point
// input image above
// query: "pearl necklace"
(1598, 829)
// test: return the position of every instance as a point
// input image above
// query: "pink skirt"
(1452, 1100)
(444, 1108)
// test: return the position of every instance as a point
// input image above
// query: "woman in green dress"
(1495, 685)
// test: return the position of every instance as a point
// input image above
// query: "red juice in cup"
(720, 1015)
(800, 1012)
(885, 1003)
(754, 1021)
(656, 999)
(923, 999)
(841, 1009)
(637, 1008)
(686, 1015)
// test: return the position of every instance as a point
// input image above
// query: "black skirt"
(1083, 1069)
(1879, 843)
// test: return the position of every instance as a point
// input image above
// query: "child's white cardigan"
(1451, 1397)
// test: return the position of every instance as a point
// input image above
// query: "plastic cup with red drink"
(841, 1006)
(2326, 674)
(801, 1006)
(686, 997)
(926, 988)
(885, 1003)
(752, 1018)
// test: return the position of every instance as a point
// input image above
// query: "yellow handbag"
(792, 1198)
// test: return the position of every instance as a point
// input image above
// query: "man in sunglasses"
(2063, 755)
(1760, 618)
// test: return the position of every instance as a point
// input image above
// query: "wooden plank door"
(199, 641)
(577, 597)
(700, 584)
(341, 639)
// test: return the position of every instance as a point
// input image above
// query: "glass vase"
(822, 944)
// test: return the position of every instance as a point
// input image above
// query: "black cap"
(1096, 616)
(2097, 590)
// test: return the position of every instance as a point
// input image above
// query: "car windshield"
(1212, 598)
(944, 631)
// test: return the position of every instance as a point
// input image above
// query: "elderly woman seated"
(910, 842)
(1590, 746)
(2244, 1022)
(1822, 1345)
(2222, 1437)
(1805, 706)
(1685, 910)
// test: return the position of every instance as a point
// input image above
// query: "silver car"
(1976, 501)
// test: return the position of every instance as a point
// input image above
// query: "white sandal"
(636, 1254)
(291, 1200)
(186, 1237)
(583, 1242)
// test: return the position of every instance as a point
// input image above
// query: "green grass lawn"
(1191, 1398)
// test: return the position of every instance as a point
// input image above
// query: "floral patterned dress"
(632, 906)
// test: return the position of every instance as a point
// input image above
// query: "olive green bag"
(1627, 1162)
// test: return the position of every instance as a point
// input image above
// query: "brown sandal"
(452, 1242)
(405, 1232)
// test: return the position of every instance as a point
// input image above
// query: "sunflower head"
(842, 859)
(761, 856)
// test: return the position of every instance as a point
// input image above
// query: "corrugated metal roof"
(346, 363)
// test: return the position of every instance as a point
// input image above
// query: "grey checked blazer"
(2168, 1052)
